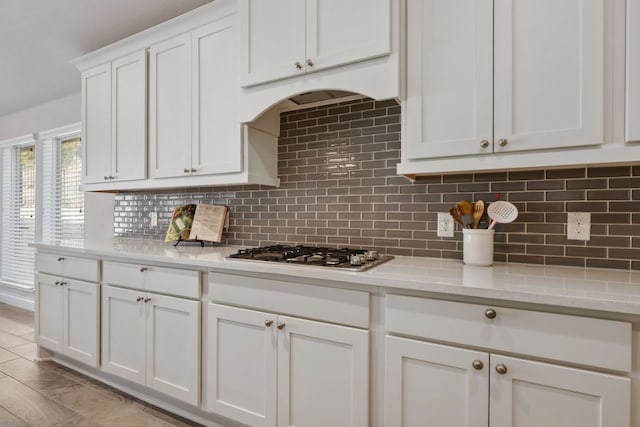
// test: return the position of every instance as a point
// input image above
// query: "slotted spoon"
(502, 212)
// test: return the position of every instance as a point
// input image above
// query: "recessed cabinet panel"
(217, 139)
(531, 394)
(82, 320)
(449, 109)
(129, 108)
(549, 73)
(426, 381)
(50, 313)
(96, 123)
(633, 71)
(273, 39)
(339, 32)
(123, 333)
(242, 365)
(323, 374)
(170, 104)
(173, 347)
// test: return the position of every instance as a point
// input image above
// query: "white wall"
(50, 115)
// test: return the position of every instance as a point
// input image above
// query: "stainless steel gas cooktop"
(344, 258)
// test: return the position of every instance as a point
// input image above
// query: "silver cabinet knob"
(268, 323)
(490, 313)
(477, 365)
(139, 299)
(281, 326)
(147, 299)
(502, 142)
(57, 283)
(298, 65)
(106, 178)
(60, 258)
(309, 63)
(484, 143)
(501, 369)
(193, 170)
(185, 170)
(143, 269)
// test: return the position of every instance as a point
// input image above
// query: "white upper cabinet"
(284, 38)
(96, 123)
(450, 84)
(509, 75)
(193, 95)
(633, 71)
(170, 107)
(114, 98)
(216, 133)
(549, 74)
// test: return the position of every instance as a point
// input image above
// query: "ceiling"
(38, 38)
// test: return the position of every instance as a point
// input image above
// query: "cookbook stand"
(196, 240)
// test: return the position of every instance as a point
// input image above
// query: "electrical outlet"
(153, 219)
(578, 225)
(445, 225)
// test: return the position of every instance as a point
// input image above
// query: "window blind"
(18, 213)
(62, 200)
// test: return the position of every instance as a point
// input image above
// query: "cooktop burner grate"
(344, 258)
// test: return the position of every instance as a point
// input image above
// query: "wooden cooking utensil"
(455, 213)
(466, 211)
(478, 211)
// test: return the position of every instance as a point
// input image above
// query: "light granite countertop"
(570, 287)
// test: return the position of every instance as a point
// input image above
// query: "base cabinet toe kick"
(225, 349)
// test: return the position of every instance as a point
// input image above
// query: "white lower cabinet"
(271, 370)
(153, 340)
(67, 317)
(459, 387)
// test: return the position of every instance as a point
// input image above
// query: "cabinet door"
(633, 71)
(170, 107)
(173, 347)
(323, 374)
(272, 39)
(449, 78)
(123, 333)
(241, 370)
(426, 381)
(549, 74)
(129, 112)
(216, 136)
(96, 123)
(533, 394)
(340, 32)
(49, 309)
(81, 321)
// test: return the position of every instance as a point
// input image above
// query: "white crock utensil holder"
(477, 247)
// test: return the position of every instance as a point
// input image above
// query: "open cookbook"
(198, 222)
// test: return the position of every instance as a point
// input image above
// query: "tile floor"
(43, 394)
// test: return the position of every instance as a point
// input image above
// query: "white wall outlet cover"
(578, 225)
(153, 219)
(446, 227)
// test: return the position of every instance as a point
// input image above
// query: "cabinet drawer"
(574, 339)
(68, 266)
(171, 281)
(333, 305)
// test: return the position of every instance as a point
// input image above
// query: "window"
(41, 198)
(18, 211)
(62, 200)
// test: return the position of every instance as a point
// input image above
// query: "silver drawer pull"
(143, 269)
(139, 299)
(60, 258)
(490, 313)
(477, 365)
(268, 323)
(281, 326)
(501, 369)
(147, 299)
